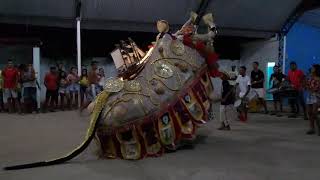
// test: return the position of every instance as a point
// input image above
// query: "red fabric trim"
(201, 48)
(188, 41)
(212, 57)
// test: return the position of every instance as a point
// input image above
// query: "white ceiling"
(253, 18)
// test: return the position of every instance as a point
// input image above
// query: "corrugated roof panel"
(242, 15)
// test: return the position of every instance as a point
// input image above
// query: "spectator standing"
(93, 89)
(61, 72)
(276, 79)
(93, 80)
(10, 82)
(296, 77)
(244, 83)
(20, 68)
(29, 89)
(233, 75)
(102, 78)
(1, 92)
(313, 98)
(73, 88)
(50, 81)
(84, 84)
(63, 84)
(227, 103)
(257, 84)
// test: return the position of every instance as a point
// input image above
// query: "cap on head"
(293, 63)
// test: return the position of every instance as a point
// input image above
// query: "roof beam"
(304, 6)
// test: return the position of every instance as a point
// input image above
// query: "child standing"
(73, 87)
(226, 106)
(63, 84)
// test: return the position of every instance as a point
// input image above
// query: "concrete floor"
(265, 148)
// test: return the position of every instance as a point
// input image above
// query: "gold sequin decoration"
(177, 47)
(163, 69)
(132, 86)
(114, 85)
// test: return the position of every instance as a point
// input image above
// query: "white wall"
(262, 51)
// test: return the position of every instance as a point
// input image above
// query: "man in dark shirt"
(257, 84)
(227, 101)
(276, 79)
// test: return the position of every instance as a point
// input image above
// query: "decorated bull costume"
(165, 103)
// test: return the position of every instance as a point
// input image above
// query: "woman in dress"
(313, 98)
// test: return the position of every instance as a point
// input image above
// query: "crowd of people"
(18, 88)
(64, 89)
(302, 91)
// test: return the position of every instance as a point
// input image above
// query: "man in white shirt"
(244, 83)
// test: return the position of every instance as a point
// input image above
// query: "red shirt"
(51, 81)
(10, 77)
(295, 78)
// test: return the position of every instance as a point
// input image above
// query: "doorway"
(269, 71)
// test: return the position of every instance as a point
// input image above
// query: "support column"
(36, 66)
(79, 46)
(282, 52)
(78, 19)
